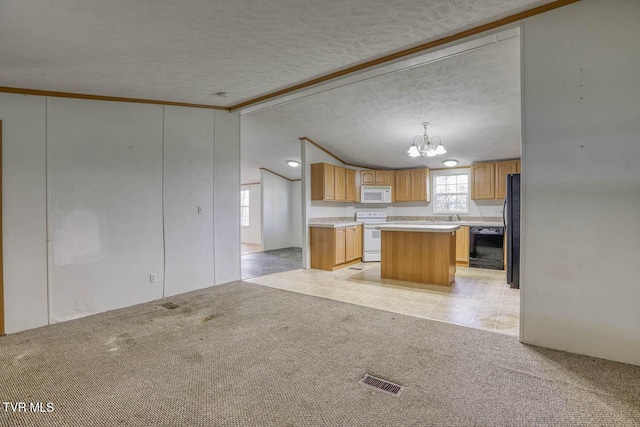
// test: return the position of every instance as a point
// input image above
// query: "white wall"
(295, 214)
(24, 216)
(226, 194)
(102, 166)
(581, 180)
(188, 185)
(105, 205)
(253, 233)
(276, 202)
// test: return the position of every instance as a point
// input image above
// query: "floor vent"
(169, 305)
(355, 268)
(381, 384)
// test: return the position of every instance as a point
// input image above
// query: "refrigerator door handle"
(504, 212)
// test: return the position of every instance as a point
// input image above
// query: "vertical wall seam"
(213, 199)
(164, 242)
(47, 208)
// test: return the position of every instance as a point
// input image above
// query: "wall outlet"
(199, 210)
(153, 278)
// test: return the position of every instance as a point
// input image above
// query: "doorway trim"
(1, 256)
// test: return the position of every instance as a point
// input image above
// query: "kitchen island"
(418, 253)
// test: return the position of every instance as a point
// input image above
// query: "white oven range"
(371, 237)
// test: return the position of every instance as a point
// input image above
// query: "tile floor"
(269, 262)
(479, 298)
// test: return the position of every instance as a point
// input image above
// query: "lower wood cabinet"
(334, 248)
(462, 245)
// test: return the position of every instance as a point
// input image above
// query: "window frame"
(247, 207)
(449, 172)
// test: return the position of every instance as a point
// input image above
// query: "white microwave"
(375, 194)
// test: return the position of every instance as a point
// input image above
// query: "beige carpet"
(246, 355)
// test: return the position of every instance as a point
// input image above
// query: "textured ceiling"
(184, 51)
(472, 101)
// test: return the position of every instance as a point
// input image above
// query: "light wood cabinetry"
(412, 185)
(340, 246)
(334, 248)
(339, 184)
(402, 190)
(483, 181)
(489, 179)
(332, 183)
(419, 184)
(504, 168)
(350, 185)
(462, 245)
(367, 177)
(384, 177)
(421, 257)
(377, 177)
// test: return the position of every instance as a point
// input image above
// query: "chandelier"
(425, 146)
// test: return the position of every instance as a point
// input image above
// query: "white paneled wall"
(105, 205)
(581, 186)
(226, 193)
(188, 199)
(24, 210)
(93, 173)
(276, 202)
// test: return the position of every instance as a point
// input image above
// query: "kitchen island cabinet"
(419, 253)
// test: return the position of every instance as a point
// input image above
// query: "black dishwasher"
(486, 247)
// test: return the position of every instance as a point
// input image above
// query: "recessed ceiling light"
(450, 163)
(293, 163)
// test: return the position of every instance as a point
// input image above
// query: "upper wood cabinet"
(483, 181)
(332, 183)
(411, 185)
(504, 168)
(350, 185)
(339, 183)
(376, 177)
(489, 179)
(402, 190)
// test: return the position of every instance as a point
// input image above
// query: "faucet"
(451, 217)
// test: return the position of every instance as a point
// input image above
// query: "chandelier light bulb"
(425, 146)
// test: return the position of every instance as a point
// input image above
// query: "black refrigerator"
(511, 217)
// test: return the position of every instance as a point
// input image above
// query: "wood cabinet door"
(401, 191)
(462, 244)
(384, 178)
(351, 246)
(483, 181)
(502, 169)
(418, 191)
(340, 254)
(350, 185)
(367, 177)
(339, 178)
(359, 241)
(329, 182)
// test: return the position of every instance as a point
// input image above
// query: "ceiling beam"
(37, 92)
(411, 51)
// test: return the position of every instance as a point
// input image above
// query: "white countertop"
(467, 223)
(330, 224)
(422, 228)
